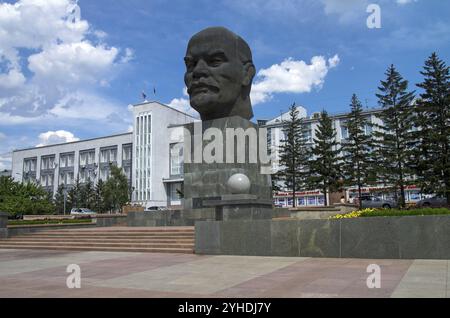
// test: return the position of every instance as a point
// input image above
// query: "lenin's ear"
(249, 73)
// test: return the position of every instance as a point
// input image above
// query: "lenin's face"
(214, 73)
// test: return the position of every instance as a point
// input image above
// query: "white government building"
(151, 157)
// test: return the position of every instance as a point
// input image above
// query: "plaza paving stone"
(42, 273)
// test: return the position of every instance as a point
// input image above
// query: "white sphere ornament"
(239, 184)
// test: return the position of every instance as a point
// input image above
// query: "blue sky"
(69, 70)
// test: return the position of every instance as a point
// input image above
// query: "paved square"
(42, 273)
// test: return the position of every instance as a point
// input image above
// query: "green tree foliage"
(99, 194)
(432, 156)
(324, 165)
(24, 198)
(74, 195)
(116, 190)
(59, 200)
(294, 155)
(356, 149)
(87, 195)
(394, 138)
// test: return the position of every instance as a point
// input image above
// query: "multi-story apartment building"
(147, 156)
(61, 164)
(315, 197)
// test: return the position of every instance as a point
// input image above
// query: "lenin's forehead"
(213, 39)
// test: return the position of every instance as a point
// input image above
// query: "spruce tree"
(87, 195)
(116, 189)
(356, 149)
(74, 195)
(433, 122)
(99, 193)
(324, 165)
(293, 154)
(59, 199)
(394, 138)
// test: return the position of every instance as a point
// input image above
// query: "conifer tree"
(433, 122)
(324, 166)
(99, 193)
(394, 138)
(356, 149)
(74, 195)
(294, 154)
(59, 199)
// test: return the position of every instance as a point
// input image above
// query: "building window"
(176, 159)
(67, 160)
(47, 180)
(175, 193)
(48, 163)
(127, 171)
(307, 133)
(66, 178)
(344, 130)
(108, 155)
(29, 165)
(126, 152)
(87, 157)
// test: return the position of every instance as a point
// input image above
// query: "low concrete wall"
(110, 220)
(3, 225)
(14, 230)
(180, 217)
(167, 218)
(409, 237)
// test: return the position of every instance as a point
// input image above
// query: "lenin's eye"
(216, 61)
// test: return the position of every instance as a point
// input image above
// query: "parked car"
(157, 208)
(377, 202)
(434, 202)
(81, 211)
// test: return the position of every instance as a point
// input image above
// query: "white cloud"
(402, 2)
(56, 137)
(61, 60)
(83, 105)
(73, 63)
(5, 162)
(129, 55)
(11, 80)
(291, 76)
(183, 104)
(346, 10)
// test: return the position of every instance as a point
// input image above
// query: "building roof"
(73, 142)
(311, 119)
(164, 105)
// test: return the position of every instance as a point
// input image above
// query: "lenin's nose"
(200, 69)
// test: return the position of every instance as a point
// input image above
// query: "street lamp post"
(65, 199)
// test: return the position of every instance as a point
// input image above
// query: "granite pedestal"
(205, 184)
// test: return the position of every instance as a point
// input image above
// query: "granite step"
(100, 249)
(99, 244)
(152, 240)
(115, 239)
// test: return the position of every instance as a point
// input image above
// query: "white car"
(81, 211)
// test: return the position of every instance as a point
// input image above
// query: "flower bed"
(394, 212)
